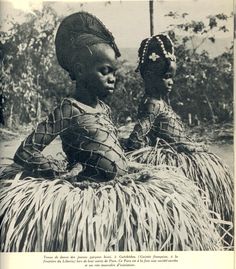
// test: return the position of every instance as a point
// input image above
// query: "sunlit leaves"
(28, 55)
(198, 75)
(29, 69)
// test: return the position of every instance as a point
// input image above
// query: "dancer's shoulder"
(70, 107)
(153, 105)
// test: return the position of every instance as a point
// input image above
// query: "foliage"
(191, 28)
(30, 76)
(33, 82)
(202, 82)
(129, 90)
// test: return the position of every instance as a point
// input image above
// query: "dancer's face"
(156, 79)
(98, 71)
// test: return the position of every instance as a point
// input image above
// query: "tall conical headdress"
(78, 30)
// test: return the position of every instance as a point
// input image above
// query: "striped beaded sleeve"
(29, 154)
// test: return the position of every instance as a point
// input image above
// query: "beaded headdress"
(79, 30)
(161, 43)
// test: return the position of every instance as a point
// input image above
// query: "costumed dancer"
(161, 137)
(109, 203)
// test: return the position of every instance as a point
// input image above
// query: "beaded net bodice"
(156, 120)
(88, 137)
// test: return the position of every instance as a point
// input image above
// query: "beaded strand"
(145, 49)
(165, 53)
(171, 42)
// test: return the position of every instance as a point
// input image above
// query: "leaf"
(212, 22)
(212, 39)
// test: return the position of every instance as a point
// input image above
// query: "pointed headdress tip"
(78, 30)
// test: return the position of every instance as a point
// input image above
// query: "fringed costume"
(142, 211)
(110, 204)
(159, 138)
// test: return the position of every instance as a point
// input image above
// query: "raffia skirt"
(208, 172)
(150, 208)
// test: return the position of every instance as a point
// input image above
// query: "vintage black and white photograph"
(116, 126)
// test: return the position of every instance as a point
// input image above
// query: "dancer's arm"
(29, 154)
(148, 112)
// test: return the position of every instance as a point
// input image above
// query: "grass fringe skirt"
(207, 171)
(145, 210)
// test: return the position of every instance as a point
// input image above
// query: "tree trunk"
(38, 110)
(151, 17)
(210, 107)
(10, 119)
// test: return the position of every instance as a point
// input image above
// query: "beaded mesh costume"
(156, 119)
(159, 137)
(148, 208)
(87, 137)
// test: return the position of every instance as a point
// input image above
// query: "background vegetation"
(32, 81)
